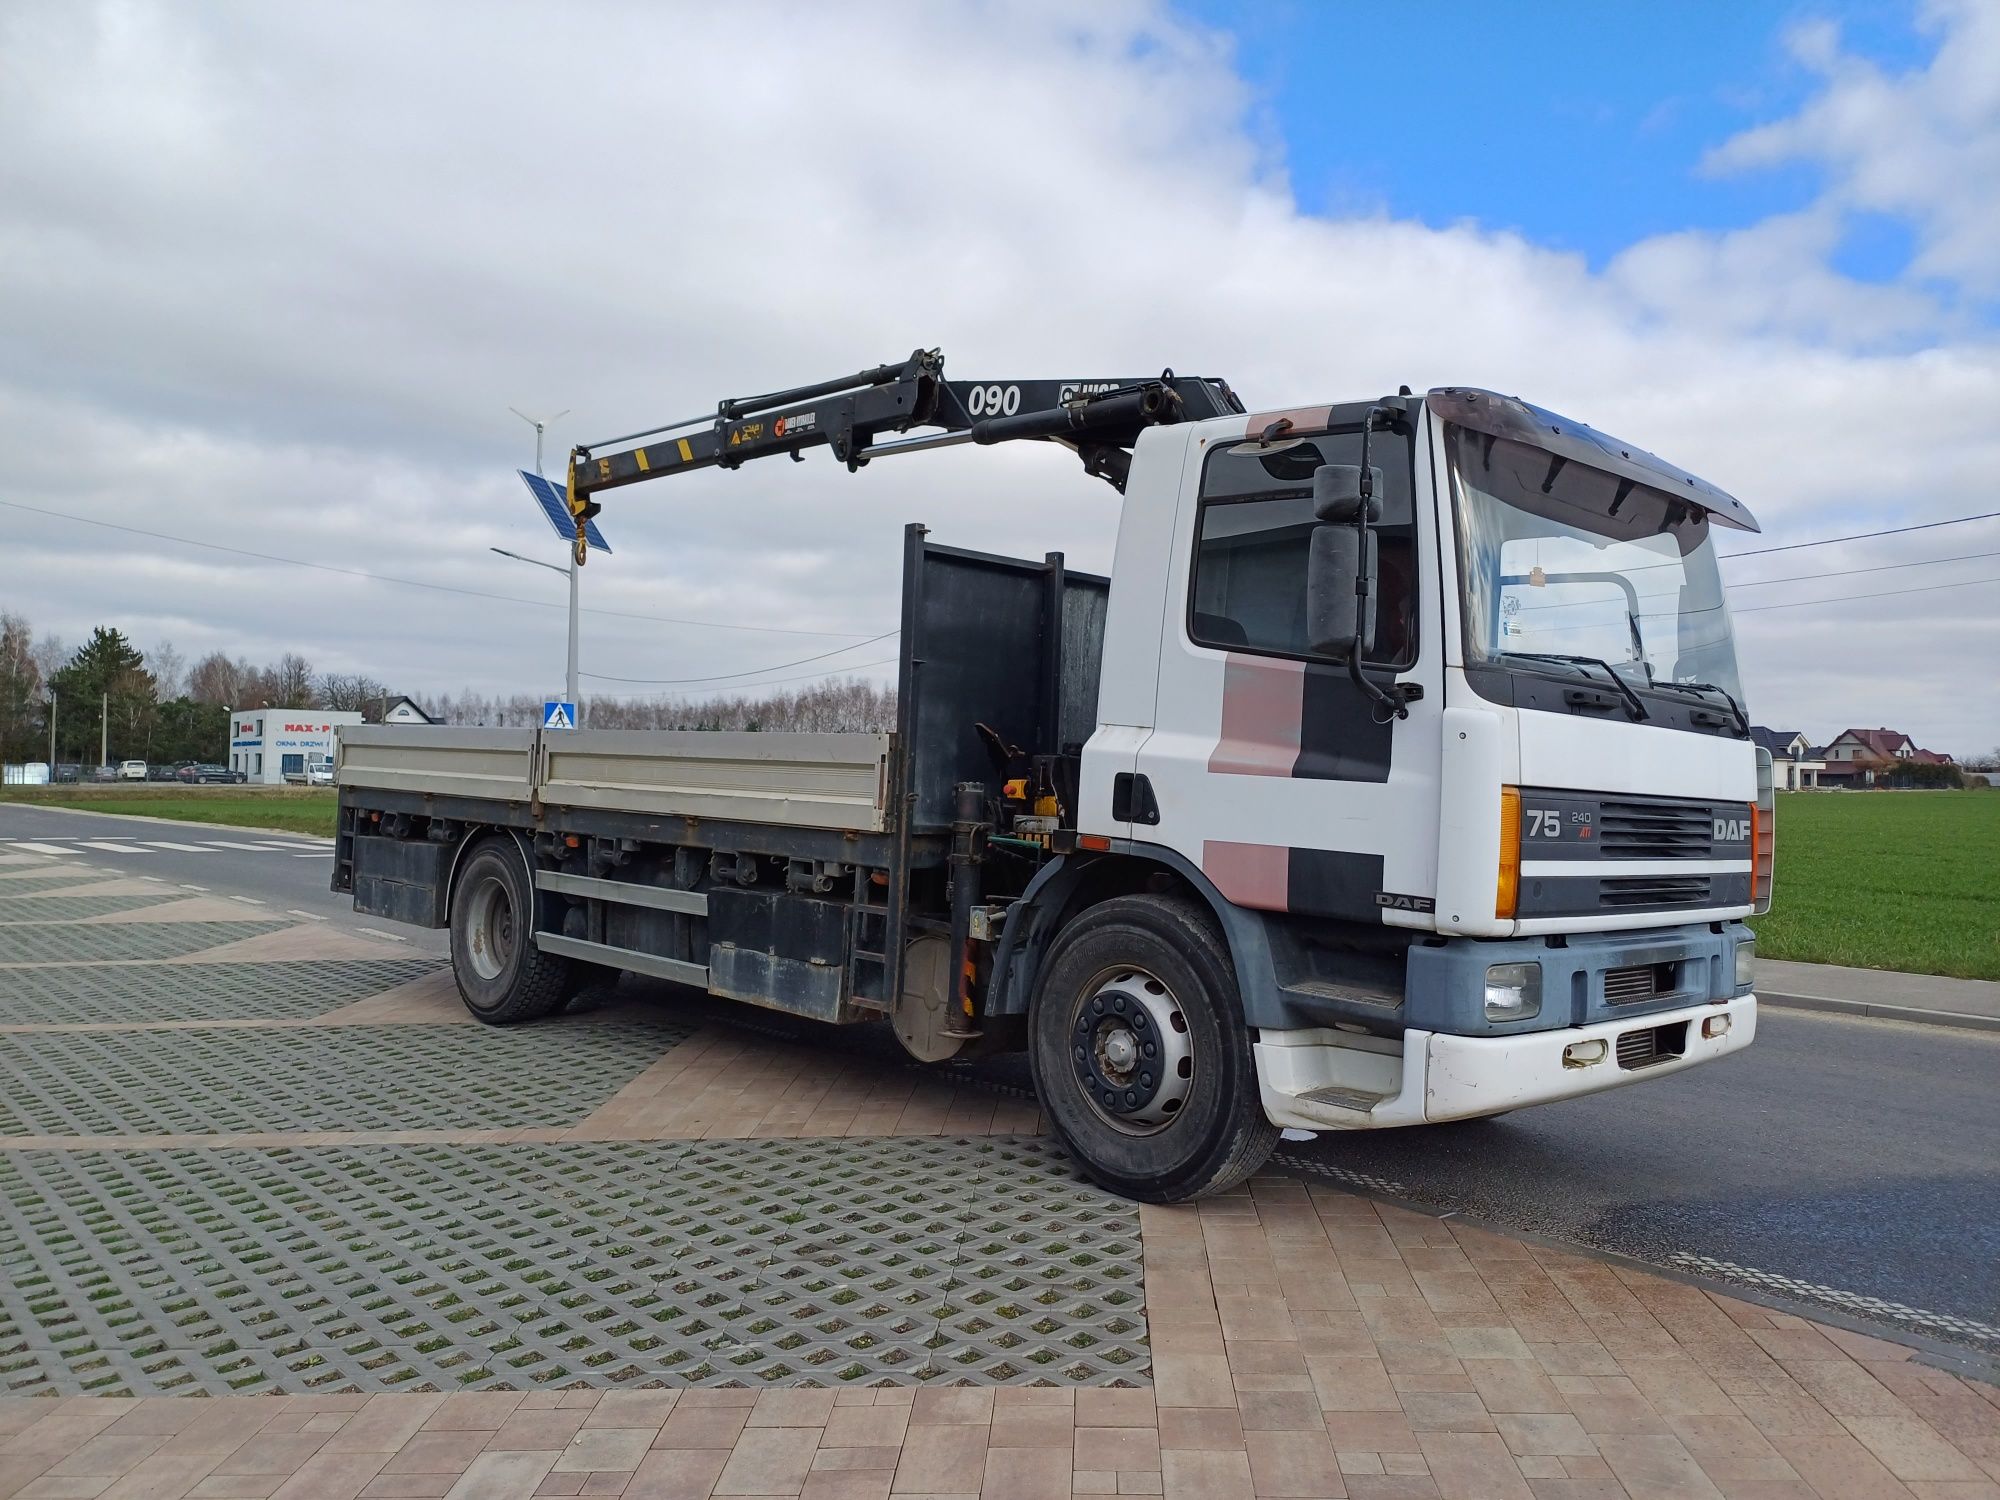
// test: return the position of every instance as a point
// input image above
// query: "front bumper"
(1320, 1080)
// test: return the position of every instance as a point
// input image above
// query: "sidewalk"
(1884, 993)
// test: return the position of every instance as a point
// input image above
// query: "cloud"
(273, 275)
(1922, 145)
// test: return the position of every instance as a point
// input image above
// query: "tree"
(169, 668)
(352, 692)
(23, 700)
(291, 682)
(218, 680)
(107, 675)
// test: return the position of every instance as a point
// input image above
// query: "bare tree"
(351, 692)
(217, 679)
(169, 669)
(50, 656)
(291, 682)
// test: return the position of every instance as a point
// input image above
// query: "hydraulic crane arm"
(1099, 419)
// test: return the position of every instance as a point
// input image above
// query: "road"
(285, 871)
(1857, 1158)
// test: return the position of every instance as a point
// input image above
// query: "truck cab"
(1525, 881)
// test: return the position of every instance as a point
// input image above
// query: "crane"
(1099, 419)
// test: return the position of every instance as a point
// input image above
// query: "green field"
(1888, 880)
(279, 809)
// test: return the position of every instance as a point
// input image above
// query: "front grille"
(1642, 982)
(1652, 1044)
(1623, 892)
(1655, 830)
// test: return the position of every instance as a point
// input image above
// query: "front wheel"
(502, 976)
(1140, 1053)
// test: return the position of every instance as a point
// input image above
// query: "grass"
(278, 809)
(1888, 880)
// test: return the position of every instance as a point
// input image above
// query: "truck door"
(1267, 768)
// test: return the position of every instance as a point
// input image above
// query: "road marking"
(387, 937)
(310, 916)
(316, 854)
(183, 848)
(1855, 1302)
(226, 844)
(44, 848)
(201, 888)
(111, 848)
(247, 900)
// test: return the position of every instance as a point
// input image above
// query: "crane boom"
(1099, 419)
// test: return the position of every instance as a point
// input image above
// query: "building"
(406, 711)
(1862, 757)
(1795, 765)
(269, 744)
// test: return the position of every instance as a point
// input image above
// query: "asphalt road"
(1855, 1158)
(285, 871)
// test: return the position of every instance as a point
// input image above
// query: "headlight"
(1746, 963)
(1513, 991)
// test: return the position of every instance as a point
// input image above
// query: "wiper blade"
(1634, 704)
(1735, 709)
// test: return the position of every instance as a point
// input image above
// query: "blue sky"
(1582, 125)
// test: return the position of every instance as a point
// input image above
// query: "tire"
(1142, 971)
(502, 977)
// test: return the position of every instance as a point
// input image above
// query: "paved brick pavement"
(722, 1263)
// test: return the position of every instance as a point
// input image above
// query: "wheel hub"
(1131, 1051)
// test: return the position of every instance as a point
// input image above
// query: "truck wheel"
(502, 976)
(1140, 1054)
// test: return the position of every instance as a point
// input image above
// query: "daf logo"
(1731, 830)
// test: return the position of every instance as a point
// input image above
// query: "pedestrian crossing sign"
(558, 716)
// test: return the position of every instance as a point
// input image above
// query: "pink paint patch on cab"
(1263, 704)
(1252, 875)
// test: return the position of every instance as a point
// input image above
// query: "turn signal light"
(1507, 891)
(1715, 1026)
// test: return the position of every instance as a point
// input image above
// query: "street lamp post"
(569, 677)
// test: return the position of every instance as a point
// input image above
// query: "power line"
(1862, 536)
(813, 676)
(1928, 562)
(753, 672)
(1848, 598)
(413, 583)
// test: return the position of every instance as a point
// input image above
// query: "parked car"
(105, 773)
(159, 773)
(320, 773)
(132, 770)
(69, 773)
(209, 775)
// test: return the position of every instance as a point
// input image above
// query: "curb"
(91, 812)
(1912, 1014)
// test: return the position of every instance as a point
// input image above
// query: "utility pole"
(104, 734)
(52, 734)
(570, 675)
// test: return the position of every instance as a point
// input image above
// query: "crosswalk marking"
(43, 848)
(77, 846)
(253, 848)
(111, 848)
(184, 848)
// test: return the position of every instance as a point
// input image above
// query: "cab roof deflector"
(1517, 420)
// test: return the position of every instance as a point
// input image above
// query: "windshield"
(1562, 560)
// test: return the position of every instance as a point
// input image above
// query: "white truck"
(1398, 774)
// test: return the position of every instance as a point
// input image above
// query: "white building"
(406, 711)
(269, 744)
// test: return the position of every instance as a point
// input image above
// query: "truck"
(1398, 773)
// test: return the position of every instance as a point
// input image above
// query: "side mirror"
(1337, 492)
(1340, 556)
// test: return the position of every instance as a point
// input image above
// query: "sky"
(271, 277)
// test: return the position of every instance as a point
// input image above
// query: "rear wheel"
(1140, 1054)
(502, 976)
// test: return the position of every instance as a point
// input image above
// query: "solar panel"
(555, 506)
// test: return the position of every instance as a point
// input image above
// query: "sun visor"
(1512, 418)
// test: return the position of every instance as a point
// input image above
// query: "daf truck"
(1398, 773)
